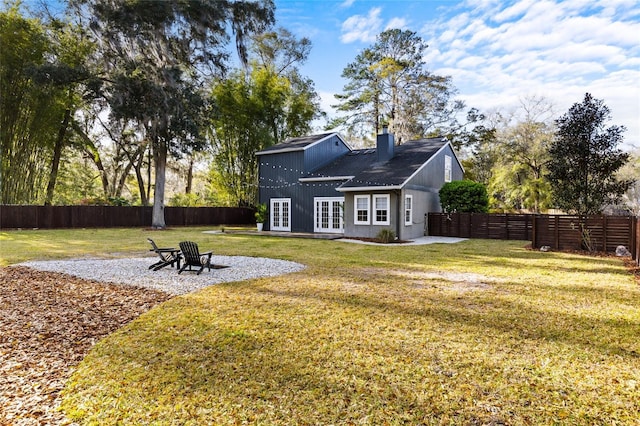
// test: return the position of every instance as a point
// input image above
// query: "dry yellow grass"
(481, 332)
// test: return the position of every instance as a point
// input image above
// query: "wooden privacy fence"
(636, 252)
(601, 233)
(559, 232)
(481, 225)
(49, 217)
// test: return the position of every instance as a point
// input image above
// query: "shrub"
(261, 213)
(464, 196)
(386, 236)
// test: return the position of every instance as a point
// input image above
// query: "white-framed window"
(408, 209)
(280, 214)
(447, 168)
(361, 209)
(381, 205)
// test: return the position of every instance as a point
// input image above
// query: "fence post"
(534, 239)
(604, 234)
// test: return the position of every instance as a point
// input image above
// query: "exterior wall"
(423, 187)
(431, 177)
(423, 203)
(371, 230)
(279, 178)
(279, 174)
(323, 153)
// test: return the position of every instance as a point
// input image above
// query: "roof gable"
(299, 144)
(408, 159)
(364, 171)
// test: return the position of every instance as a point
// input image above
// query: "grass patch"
(481, 332)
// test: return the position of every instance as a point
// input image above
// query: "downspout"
(399, 218)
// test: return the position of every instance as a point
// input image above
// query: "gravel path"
(135, 272)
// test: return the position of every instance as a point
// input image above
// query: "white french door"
(327, 215)
(280, 215)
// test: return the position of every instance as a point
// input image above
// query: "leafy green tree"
(256, 108)
(154, 51)
(388, 83)
(511, 156)
(252, 112)
(585, 159)
(464, 196)
(631, 172)
(30, 113)
(68, 73)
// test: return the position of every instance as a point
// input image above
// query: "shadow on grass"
(494, 313)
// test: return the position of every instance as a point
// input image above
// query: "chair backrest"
(153, 244)
(191, 253)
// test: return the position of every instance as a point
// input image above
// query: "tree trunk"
(57, 153)
(160, 160)
(187, 190)
(148, 175)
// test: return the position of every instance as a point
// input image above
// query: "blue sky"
(497, 52)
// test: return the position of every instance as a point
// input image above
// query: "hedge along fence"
(559, 232)
(50, 217)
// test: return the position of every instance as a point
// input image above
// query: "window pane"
(325, 215)
(285, 214)
(336, 215)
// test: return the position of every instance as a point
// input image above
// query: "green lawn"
(480, 332)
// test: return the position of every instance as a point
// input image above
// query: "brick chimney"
(384, 145)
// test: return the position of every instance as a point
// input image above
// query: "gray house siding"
(423, 187)
(287, 172)
(371, 230)
(324, 152)
(279, 178)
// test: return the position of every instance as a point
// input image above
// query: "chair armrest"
(167, 250)
(207, 253)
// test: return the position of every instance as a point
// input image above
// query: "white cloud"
(362, 28)
(347, 3)
(499, 51)
(399, 23)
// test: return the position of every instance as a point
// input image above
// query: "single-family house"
(319, 184)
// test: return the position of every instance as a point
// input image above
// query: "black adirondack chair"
(193, 257)
(168, 256)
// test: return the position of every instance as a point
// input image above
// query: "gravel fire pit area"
(135, 271)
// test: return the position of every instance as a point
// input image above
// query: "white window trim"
(355, 209)
(410, 209)
(447, 168)
(373, 209)
(316, 219)
(272, 226)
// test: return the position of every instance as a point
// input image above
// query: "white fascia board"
(327, 137)
(279, 151)
(304, 148)
(369, 188)
(325, 178)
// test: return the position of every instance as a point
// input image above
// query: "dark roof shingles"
(407, 159)
(296, 143)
